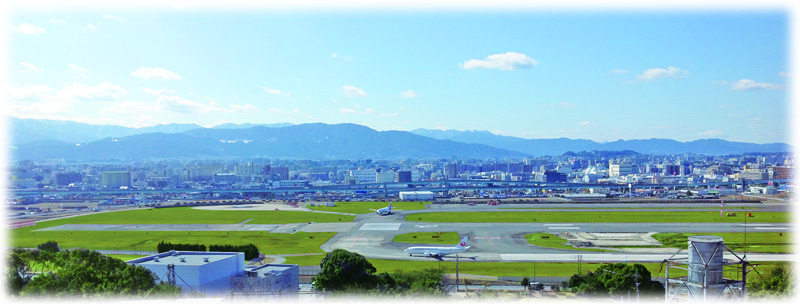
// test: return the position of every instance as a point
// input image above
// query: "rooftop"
(189, 258)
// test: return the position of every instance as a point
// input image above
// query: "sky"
(602, 75)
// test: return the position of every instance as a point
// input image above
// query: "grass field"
(768, 242)
(125, 257)
(304, 260)
(269, 243)
(364, 207)
(598, 217)
(514, 268)
(549, 240)
(186, 215)
(434, 238)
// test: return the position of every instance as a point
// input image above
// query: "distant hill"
(40, 139)
(558, 146)
(249, 125)
(306, 141)
(30, 130)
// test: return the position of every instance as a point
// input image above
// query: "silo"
(705, 266)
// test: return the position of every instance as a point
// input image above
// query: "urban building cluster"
(278, 174)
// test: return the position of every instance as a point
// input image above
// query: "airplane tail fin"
(390, 205)
(463, 243)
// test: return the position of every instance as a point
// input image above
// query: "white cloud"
(182, 105)
(243, 108)
(29, 29)
(670, 72)
(784, 74)
(508, 61)
(91, 27)
(103, 91)
(583, 123)
(34, 92)
(129, 107)
(58, 21)
(277, 92)
(283, 112)
(345, 57)
(353, 111)
(120, 19)
(156, 92)
(711, 133)
(75, 68)
(352, 91)
(154, 73)
(409, 94)
(29, 68)
(620, 71)
(750, 85)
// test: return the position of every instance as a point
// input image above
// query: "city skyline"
(598, 75)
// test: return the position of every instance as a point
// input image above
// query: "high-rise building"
(64, 179)
(116, 179)
(404, 176)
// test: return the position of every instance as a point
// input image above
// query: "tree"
(344, 270)
(778, 284)
(425, 281)
(86, 273)
(50, 246)
(617, 279)
(526, 283)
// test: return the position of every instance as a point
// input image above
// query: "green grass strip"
(434, 238)
(268, 243)
(598, 217)
(125, 257)
(764, 242)
(544, 239)
(186, 215)
(364, 207)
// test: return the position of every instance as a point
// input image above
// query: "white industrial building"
(416, 195)
(220, 273)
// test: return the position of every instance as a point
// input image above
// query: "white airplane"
(385, 210)
(438, 252)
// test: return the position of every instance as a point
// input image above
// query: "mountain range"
(46, 139)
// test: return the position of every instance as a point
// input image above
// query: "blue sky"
(601, 75)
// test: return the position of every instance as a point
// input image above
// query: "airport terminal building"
(221, 274)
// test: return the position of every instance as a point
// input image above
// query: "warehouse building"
(416, 196)
(220, 273)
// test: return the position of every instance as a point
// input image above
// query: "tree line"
(344, 271)
(52, 272)
(250, 251)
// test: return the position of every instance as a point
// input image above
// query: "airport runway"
(371, 234)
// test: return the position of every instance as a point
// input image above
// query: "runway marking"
(564, 227)
(771, 228)
(748, 225)
(487, 238)
(426, 226)
(558, 224)
(380, 226)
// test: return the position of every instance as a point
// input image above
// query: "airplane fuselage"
(433, 251)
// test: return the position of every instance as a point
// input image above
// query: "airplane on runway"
(438, 252)
(385, 210)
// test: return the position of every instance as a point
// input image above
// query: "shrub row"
(250, 251)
